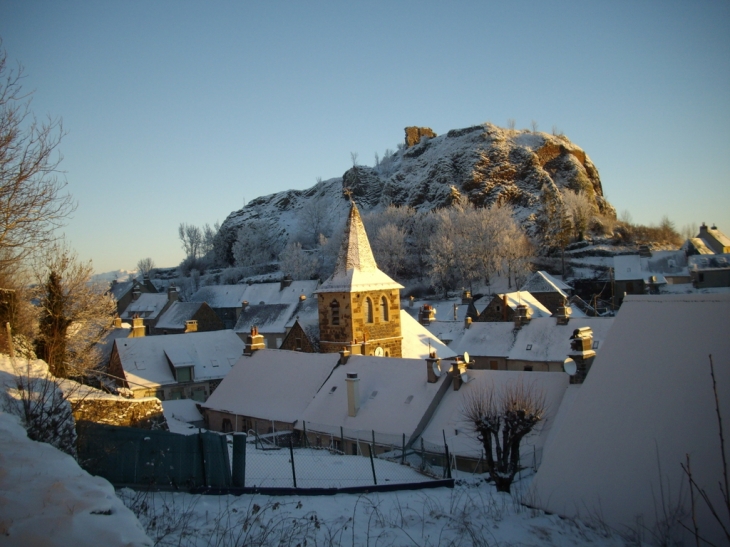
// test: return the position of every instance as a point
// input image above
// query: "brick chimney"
(426, 314)
(191, 325)
(562, 314)
(344, 356)
(457, 369)
(254, 342)
(467, 322)
(432, 364)
(138, 328)
(522, 316)
(172, 295)
(353, 394)
(286, 282)
(581, 351)
(117, 322)
(466, 297)
(244, 305)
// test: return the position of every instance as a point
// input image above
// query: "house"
(646, 407)
(714, 239)
(504, 307)
(177, 366)
(710, 270)
(122, 292)
(449, 424)
(271, 320)
(225, 300)
(367, 400)
(541, 344)
(628, 275)
(548, 290)
(267, 391)
(359, 305)
(303, 328)
(149, 307)
(183, 317)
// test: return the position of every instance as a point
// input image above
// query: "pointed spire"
(355, 252)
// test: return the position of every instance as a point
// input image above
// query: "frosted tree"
(145, 266)
(500, 421)
(443, 271)
(257, 244)
(297, 262)
(191, 238)
(389, 248)
(556, 224)
(580, 211)
(208, 238)
(314, 220)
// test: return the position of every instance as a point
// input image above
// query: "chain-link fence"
(276, 460)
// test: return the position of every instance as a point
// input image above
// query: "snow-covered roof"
(221, 296)
(269, 318)
(356, 269)
(444, 308)
(395, 397)
(148, 305)
(515, 299)
(647, 403)
(713, 262)
(418, 341)
(119, 289)
(184, 410)
(699, 245)
(176, 315)
(542, 281)
(548, 341)
(446, 331)
(627, 267)
(145, 360)
(273, 384)
(449, 420)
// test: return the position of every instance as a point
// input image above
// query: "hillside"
(484, 162)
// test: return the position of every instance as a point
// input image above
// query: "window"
(384, 309)
(226, 426)
(528, 368)
(529, 347)
(184, 374)
(595, 344)
(368, 310)
(335, 307)
(298, 344)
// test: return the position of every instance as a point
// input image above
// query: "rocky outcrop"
(485, 163)
(415, 134)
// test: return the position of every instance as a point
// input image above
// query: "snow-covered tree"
(501, 420)
(257, 244)
(297, 262)
(191, 238)
(556, 224)
(389, 248)
(580, 211)
(145, 266)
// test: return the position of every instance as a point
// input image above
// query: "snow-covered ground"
(471, 514)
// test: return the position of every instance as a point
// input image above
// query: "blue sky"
(180, 111)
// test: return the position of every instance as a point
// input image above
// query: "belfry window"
(368, 310)
(335, 312)
(384, 309)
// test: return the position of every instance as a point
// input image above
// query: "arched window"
(335, 306)
(368, 310)
(383, 309)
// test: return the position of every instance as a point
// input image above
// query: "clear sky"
(179, 111)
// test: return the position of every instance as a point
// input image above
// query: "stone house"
(710, 270)
(149, 307)
(503, 307)
(123, 292)
(548, 290)
(183, 317)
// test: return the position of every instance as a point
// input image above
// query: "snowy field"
(471, 514)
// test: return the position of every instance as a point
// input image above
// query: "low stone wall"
(142, 413)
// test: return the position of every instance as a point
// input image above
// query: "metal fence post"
(305, 441)
(239, 460)
(403, 451)
(372, 464)
(423, 455)
(291, 453)
(342, 440)
(447, 468)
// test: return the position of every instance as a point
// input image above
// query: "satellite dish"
(570, 367)
(466, 357)
(436, 370)
(378, 352)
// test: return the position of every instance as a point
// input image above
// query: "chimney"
(703, 230)
(467, 322)
(432, 362)
(504, 307)
(254, 342)
(353, 394)
(426, 314)
(410, 301)
(522, 316)
(138, 328)
(344, 356)
(302, 297)
(191, 325)
(117, 322)
(135, 294)
(581, 351)
(456, 372)
(172, 293)
(466, 297)
(563, 313)
(286, 282)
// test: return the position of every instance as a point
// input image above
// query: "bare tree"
(534, 126)
(314, 219)
(74, 313)
(511, 123)
(145, 266)
(501, 421)
(191, 238)
(208, 238)
(33, 202)
(353, 157)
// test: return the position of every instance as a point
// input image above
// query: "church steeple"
(359, 303)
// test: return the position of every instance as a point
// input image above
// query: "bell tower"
(359, 305)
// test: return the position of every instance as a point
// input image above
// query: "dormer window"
(184, 374)
(368, 310)
(335, 309)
